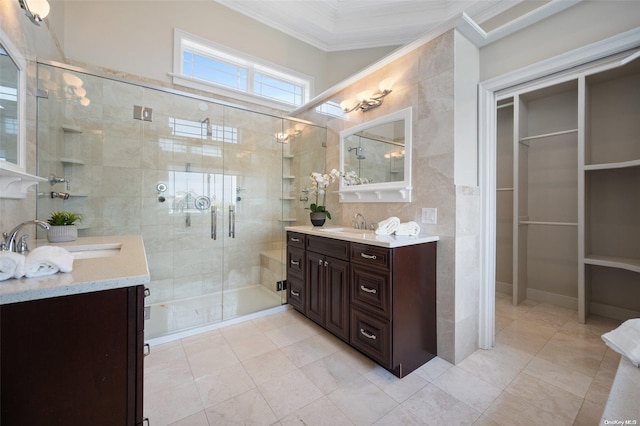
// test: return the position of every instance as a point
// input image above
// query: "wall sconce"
(368, 99)
(285, 137)
(36, 10)
(282, 137)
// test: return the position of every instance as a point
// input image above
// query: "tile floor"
(282, 369)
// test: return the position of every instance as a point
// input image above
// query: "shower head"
(359, 152)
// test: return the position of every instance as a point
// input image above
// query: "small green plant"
(63, 218)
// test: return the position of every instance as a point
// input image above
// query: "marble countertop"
(101, 263)
(363, 236)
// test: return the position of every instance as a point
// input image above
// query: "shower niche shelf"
(71, 162)
(288, 177)
(68, 128)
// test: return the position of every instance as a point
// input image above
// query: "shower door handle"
(214, 222)
(232, 221)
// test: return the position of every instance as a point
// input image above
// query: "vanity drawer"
(328, 246)
(371, 290)
(295, 294)
(371, 255)
(371, 336)
(295, 239)
(295, 263)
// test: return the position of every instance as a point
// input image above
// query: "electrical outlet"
(430, 216)
(147, 312)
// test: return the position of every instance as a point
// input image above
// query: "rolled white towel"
(388, 226)
(47, 260)
(408, 228)
(626, 340)
(11, 265)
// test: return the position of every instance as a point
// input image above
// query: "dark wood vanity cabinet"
(73, 360)
(380, 300)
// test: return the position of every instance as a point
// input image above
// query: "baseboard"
(502, 287)
(552, 298)
(613, 312)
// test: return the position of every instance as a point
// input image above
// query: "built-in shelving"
(614, 262)
(610, 166)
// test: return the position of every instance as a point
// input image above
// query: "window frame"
(207, 48)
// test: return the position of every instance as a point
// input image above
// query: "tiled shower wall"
(114, 162)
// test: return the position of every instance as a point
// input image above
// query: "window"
(205, 65)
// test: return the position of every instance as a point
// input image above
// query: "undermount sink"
(347, 230)
(94, 250)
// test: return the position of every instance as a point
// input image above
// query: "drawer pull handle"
(295, 262)
(368, 290)
(146, 351)
(368, 256)
(367, 335)
(147, 292)
(295, 293)
(295, 240)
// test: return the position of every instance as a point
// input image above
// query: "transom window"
(199, 62)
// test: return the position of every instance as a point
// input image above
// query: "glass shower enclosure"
(210, 187)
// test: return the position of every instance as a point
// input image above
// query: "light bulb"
(38, 8)
(386, 85)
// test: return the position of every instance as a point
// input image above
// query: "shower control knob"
(161, 199)
(161, 187)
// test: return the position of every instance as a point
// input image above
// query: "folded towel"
(388, 226)
(11, 265)
(47, 260)
(409, 228)
(626, 340)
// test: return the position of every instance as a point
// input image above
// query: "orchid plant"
(319, 184)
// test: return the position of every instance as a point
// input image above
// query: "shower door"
(199, 180)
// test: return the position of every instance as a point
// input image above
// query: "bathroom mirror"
(12, 90)
(376, 159)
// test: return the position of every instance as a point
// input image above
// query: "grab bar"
(232, 221)
(214, 222)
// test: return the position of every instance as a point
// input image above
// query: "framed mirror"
(12, 92)
(376, 159)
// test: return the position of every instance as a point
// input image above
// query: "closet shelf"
(539, 222)
(609, 166)
(548, 135)
(629, 264)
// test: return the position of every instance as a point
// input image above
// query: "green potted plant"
(63, 226)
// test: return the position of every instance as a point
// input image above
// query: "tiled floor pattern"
(282, 369)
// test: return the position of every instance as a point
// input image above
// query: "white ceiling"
(334, 25)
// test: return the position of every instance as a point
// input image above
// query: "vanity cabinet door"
(337, 297)
(72, 360)
(328, 293)
(316, 287)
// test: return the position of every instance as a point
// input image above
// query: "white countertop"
(363, 236)
(121, 262)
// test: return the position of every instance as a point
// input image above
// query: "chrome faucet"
(10, 238)
(359, 225)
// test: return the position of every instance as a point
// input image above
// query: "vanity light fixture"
(368, 99)
(36, 10)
